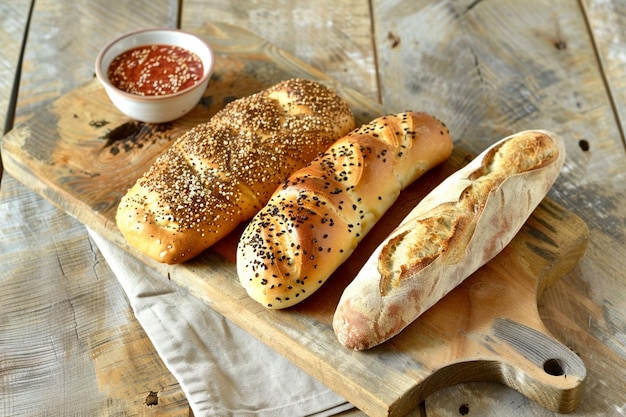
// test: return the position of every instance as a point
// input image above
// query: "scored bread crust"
(458, 227)
(314, 221)
(220, 173)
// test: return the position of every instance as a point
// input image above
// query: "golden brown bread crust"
(315, 220)
(458, 227)
(220, 173)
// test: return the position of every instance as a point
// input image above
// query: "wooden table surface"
(69, 344)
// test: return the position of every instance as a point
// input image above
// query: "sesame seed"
(320, 197)
(221, 172)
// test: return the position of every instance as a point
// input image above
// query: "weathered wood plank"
(606, 23)
(13, 19)
(71, 345)
(65, 39)
(13, 22)
(332, 36)
(490, 68)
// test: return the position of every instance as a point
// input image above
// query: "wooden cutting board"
(81, 154)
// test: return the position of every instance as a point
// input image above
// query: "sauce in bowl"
(155, 70)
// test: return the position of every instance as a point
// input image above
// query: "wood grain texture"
(488, 68)
(13, 18)
(539, 67)
(605, 20)
(66, 38)
(70, 344)
(332, 36)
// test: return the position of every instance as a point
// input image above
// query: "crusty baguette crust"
(314, 221)
(221, 172)
(458, 227)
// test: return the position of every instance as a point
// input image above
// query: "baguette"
(314, 221)
(458, 227)
(220, 173)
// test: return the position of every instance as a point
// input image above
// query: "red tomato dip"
(155, 70)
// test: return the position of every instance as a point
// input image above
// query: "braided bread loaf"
(316, 219)
(220, 173)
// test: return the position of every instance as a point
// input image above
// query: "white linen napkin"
(222, 370)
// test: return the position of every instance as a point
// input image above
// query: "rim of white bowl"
(142, 36)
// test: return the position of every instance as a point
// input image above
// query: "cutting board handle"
(539, 366)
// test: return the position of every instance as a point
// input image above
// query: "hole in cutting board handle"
(553, 367)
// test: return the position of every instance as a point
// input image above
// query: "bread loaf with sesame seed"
(315, 220)
(458, 227)
(220, 173)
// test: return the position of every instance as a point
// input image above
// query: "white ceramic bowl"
(155, 108)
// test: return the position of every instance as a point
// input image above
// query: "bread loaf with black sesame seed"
(220, 173)
(315, 220)
(458, 227)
